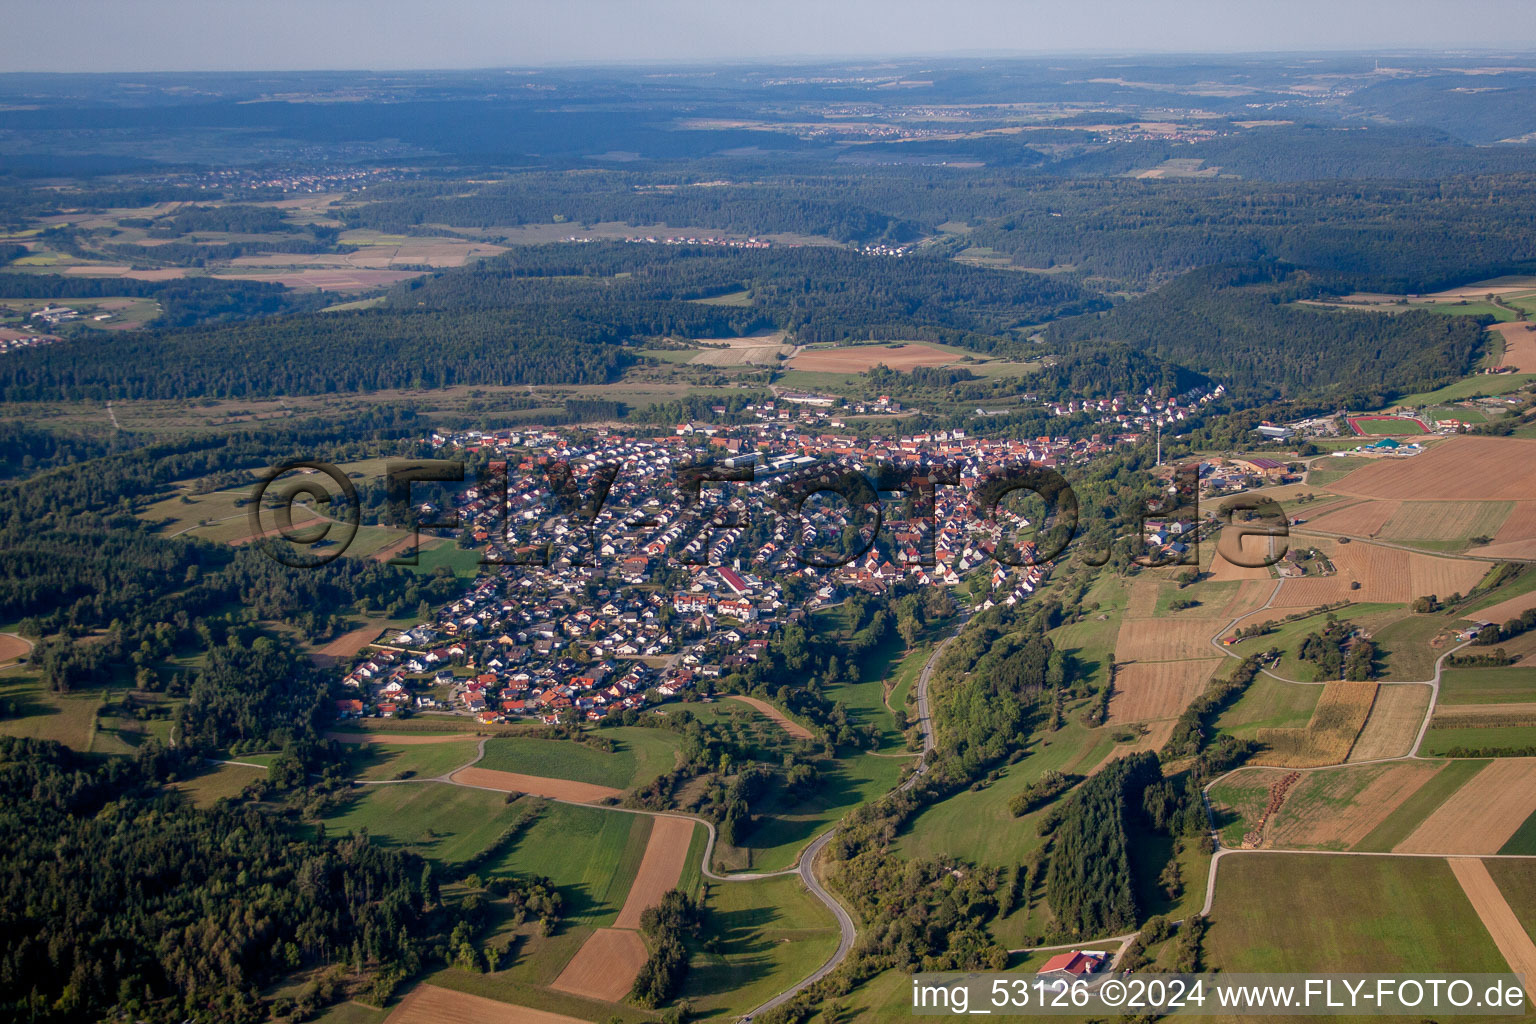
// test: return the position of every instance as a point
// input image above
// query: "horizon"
(346, 35)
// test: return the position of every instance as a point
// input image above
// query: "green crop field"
(447, 823)
(1404, 654)
(641, 755)
(1299, 912)
(380, 761)
(1523, 842)
(1441, 741)
(1477, 386)
(1516, 879)
(1269, 703)
(775, 933)
(592, 854)
(1412, 812)
(1487, 685)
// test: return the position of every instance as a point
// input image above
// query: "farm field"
(752, 350)
(1516, 879)
(1482, 815)
(605, 967)
(1459, 469)
(1146, 692)
(1166, 639)
(1403, 647)
(775, 933)
(1269, 704)
(534, 785)
(1511, 608)
(1386, 575)
(1355, 518)
(641, 755)
(1330, 809)
(1301, 912)
(429, 1004)
(592, 855)
(789, 725)
(660, 868)
(1517, 536)
(382, 761)
(1519, 345)
(1487, 685)
(1327, 737)
(1393, 723)
(448, 824)
(1449, 521)
(859, 358)
(1497, 917)
(1483, 739)
(1400, 823)
(218, 782)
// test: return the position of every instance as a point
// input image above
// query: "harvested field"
(1460, 469)
(1494, 911)
(1250, 597)
(1141, 602)
(1519, 345)
(1393, 723)
(1326, 739)
(788, 724)
(1481, 815)
(1464, 716)
(1335, 810)
(659, 870)
(513, 782)
(1158, 690)
(1510, 609)
(604, 967)
(858, 358)
(1250, 548)
(428, 1004)
(1311, 593)
(394, 548)
(1445, 520)
(1517, 537)
(753, 350)
(1363, 519)
(12, 647)
(347, 645)
(1165, 639)
(1394, 576)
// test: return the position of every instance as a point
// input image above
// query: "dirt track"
(1506, 930)
(534, 785)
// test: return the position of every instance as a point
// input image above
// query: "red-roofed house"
(1075, 964)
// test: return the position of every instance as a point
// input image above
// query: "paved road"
(924, 712)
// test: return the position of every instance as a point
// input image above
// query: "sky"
(217, 35)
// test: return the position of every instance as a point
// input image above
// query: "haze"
(189, 35)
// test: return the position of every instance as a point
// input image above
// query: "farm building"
(1074, 964)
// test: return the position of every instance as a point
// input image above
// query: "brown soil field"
(1155, 738)
(1393, 723)
(604, 967)
(348, 644)
(428, 1004)
(1326, 739)
(1494, 911)
(1141, 602)
(536, 785)
(660, 868)
(1481, 815)
(1510, 609)
(1157, 690)
(1165, 639)
(1519, 345)
(1445, 520)
(1336, 810)
(858, 358)
(1250, 596)
(1460, 469)
(1517, 537)
(396, 739)
(1247, 547)
(1363, 519)
(790, 726)
(394, 547)
(12, 647)
(1393, 576)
